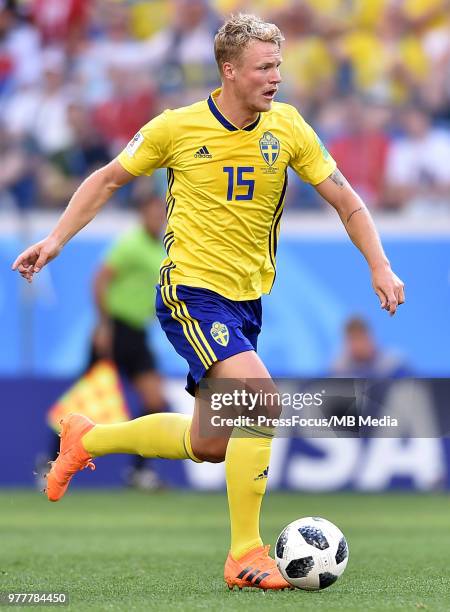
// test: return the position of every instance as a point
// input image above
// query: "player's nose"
(275, 77)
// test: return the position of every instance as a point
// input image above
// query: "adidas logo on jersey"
(203, 152)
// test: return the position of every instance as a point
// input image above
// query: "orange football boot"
(72, 456)
(254, 569)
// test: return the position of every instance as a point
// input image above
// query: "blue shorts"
(204, 327)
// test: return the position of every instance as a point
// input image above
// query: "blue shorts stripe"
(186, 324)
(189, 314)
(200, 335)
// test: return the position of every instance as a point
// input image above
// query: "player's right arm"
(86, 202)
(150, 148)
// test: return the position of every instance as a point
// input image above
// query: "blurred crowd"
(79, 77)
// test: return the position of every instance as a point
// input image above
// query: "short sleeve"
(312, 162)
(150, 148)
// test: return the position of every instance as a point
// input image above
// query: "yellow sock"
(165, 435)
(246, 468)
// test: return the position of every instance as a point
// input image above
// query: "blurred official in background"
(124, 292)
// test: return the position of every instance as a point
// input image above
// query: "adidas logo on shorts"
(203, 152)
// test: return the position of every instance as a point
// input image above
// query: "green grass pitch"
(133, 551)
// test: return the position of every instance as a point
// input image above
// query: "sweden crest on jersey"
(219, 332)
(269, 147)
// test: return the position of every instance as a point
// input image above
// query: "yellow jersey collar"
(223, 120)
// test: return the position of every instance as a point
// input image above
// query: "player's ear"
(228, 71)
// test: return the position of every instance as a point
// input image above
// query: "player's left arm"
(360, 227)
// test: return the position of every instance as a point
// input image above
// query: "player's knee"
(270, 407)
(267, 398)
(210, 454)
(213, 457)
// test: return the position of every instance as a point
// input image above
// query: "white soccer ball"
(311, 553)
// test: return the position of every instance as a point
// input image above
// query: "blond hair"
(236, 34)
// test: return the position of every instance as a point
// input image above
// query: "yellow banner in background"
(98, 395)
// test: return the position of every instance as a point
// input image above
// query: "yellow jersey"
(226, 190)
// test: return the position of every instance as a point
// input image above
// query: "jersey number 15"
(237, 174)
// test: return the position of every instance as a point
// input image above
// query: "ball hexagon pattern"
(311, 553)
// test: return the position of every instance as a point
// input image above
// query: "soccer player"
(226, 159)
